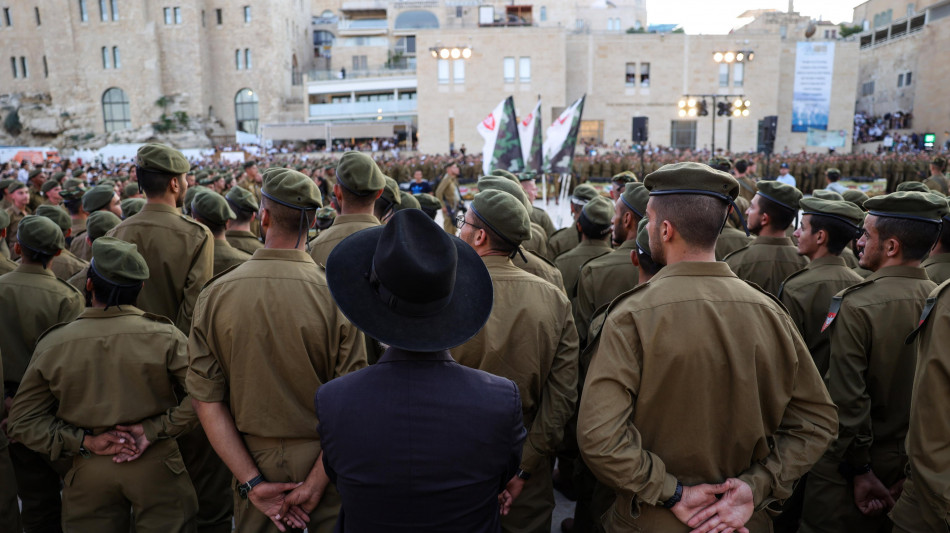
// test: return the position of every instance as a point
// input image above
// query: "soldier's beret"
(35, 172)
(97, 197)
(190, 195)
(78, 172)
(780, 193)
(358, 174)
(130, 190)
(4, 219)
(720, 163)
(825, 194)
(635, 196)
(4, 184)
(856, 197)
(391, 191)
(839, 209)
(109, 182)
(584, 193)
(100, 222)
(504, 214)
(49, 185)
(293, 189)
(833, 171)
(118, 262)
(15, 186)
(504, 174)
(58, 176)
(212, 207)
(130, 206)
(597, 213)
(41, 235)
(427, 201)
(249, 164)
(162, 158)
(407, 201)
(909, 205)
(939, 161)
(449, 165)
(500, 183)
(913, 186)
(241, 199)
(269, 172)
(326, 213)
(627, 176)
(72, 190)
(528, 175)
(643, 237)
(692, 178)
(56, 214)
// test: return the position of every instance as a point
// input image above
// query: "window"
(45, 68)
(115, 9)
(900, 79)
(359, 63)
(83, 12)
(683, 134)
(738, 74)
(116, 62)
(907, 79)
(417, 19)
(13, 67)
(867, 88)
(177, 15)
(238, 59)
(247, 14)
(723, 74)
(544, 13)
(524, 69)
(247, 58)
(406, 45)
(443, 66)
(115, 110)
(25, 72)
(103, 11)
(219, 16)
(202, 18)
(6, 16)
(458, 12)
(168, 15)
(458, 71)
(509, 69)
(591, 129)
(36, 11)
(105, 57)
(245, 111)
(630, 79)
(644, 74)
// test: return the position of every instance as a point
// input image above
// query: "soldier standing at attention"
(871, 374)
(33, 301)
(745, 175)
(937, 263)
(97, 225)
(644, 421)
(733, 235)
(65, 265)
(98, 198)
(245, 207)
(938, 180)
(772, 256)
(359, 182)
(101, 392)
(212, 210)
(19, 197)
(5, 264)
(543, 363)
(618, 183)
(447, 191)
(258, 411)
(594, 225)
(567, 238)
(537, 215)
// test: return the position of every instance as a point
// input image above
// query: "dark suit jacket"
(419, 443)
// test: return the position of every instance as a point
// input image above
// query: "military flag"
(529, 130)
(502, 145)
(562, 138)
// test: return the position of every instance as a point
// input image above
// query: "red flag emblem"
(489, 123)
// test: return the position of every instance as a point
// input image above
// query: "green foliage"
(678, 30)
(635, 30)
(162, 102)
(847, 30)
(12, 123)
(182, 118)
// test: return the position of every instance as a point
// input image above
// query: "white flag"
(488, 129)
(562, 138)
(527, 128)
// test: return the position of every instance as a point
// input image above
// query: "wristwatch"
(677, 496)
(523, 475)
(245, 488)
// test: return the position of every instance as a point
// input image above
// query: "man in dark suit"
(417, 442)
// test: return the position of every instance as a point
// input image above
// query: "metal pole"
(714, 126)
(641, 162)
(729, 135)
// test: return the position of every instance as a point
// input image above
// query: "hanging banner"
(502, 146)
(826, 139)
(488, 129)
(562, 139)
(529, 129)
(811, 100)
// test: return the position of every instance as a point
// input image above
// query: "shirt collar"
(112, 311)
(900, 271)
(282, 255)
(695, 268)
(35, 269)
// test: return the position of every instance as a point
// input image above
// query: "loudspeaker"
(640, 126)
(768, 128)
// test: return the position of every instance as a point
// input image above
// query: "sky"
(705, 16)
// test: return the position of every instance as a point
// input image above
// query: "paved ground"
(563, 508)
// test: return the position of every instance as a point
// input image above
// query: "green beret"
(97, 198)
(359, 175)
(242, 199)
(57, 214)
(190, 195)
(118, 262)
(501, 183)
(913, 186)
(598, 211)
(856, 197)
(825, 194)
(910, 205)
(834, 171)
(41, 235)
(839, 209)
(692, 178)
(15, 186)
(635, 196)
(505, 174)
(391, 191)
(427, 201)
(99, 223)
(293, 189)
(449, 165)
(269, 172)
(202, 174)
(627, 176)
(58, 176)
(130, 190)
(584, 193)
(49, 185)
(326, 213)
(34, 173)
(504, 214)
(4, 219)
(407, 201)
(110, 183)
(77, 172)
(208, 181)
(161, 158)
(5, 183)
(130, 206)
(720, 163)
(527, 175)
(249, 164)
(212, 207)
(780, 193)
(643, 237)
(72, 190)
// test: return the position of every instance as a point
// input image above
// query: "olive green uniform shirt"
(225, 256)
(563, 240)
(571, 261)
(538, 243)
(343, 226)
(850, 260)
(6, 265)
(747, 188)
(656, 405)
(80, 247)
(730, 240)
(15, 218)
(807, 295)
(269, 374)
(243, 240)
(66, 265)
(530, 339)
(109, 366)
(601, 280)
(938, 183)
(937, 267)
(79, 279)
(767, 261)
(180, 255)
(540, 217)
(541, 267)
(871, 375)
(33, 301)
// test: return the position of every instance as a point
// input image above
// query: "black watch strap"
(677, 496)
(245, 489)
(523, 475)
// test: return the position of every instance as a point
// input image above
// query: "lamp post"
(731, 105)
(440, 52)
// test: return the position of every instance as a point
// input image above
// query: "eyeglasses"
(460, 221)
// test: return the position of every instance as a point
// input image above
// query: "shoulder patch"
(836, 304)
(159, 318)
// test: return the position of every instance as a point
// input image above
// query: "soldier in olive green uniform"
(644, 424)
(530, 338)
(19, 197)
(937, 264)
(100, 197)
(212, 210)
(871, 374)
(9, 506)
(567, 238)
(734, 235)
(536, 214)
(772, 256)
(239, 233)
(118, 383)
(258, 411)
(65, 265)
(506, 181)
(36, 179)
(97, 225)
(604, 278)
(34, 300)
(925, 501)
(388, 202)
(594, 227)
(746, 181)
(938, 180)
(447, 191)
(6, 265)
(619, 181)
(359, 184)
(131, 206)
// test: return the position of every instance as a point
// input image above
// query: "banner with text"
(811, 101)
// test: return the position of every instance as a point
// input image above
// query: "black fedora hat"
(411, 285)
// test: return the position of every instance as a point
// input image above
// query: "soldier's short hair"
(284, 217)
(741, 166)
(153, 182)
(109, 293)
(780, 217)
(840, 233)
(916, 236)
(697, 218)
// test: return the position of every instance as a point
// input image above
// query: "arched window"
(115, 110)
(413, 20)
(245, 111)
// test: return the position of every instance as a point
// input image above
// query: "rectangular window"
(45, 68)
(6, 16)
(738, 74)
(630, 77)
(458, 12)
(458, 71)
(116, 61)
(219, 15)
(359, 63)
(443, 66)
(544, 13)
(83, 12)
(247, 14)
(509, 69)
(168, 15)
(202, 18)
(247, 58)
(105, 57)
(115, 9)
(13, 67)
(23, 70)
(36, 11)
(177, 15)
(683, 134)
(900, 80)
(723, 74)
(238, 64)
(524, 69)
(103, 11)
(644, 74)
(907, 79)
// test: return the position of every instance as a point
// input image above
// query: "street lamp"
(454, 52)
(733, 56)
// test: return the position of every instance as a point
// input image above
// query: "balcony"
(365, 5)
(334, 75)
(357, 27)
(356, 110)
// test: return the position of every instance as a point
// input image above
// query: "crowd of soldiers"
(164, 330)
